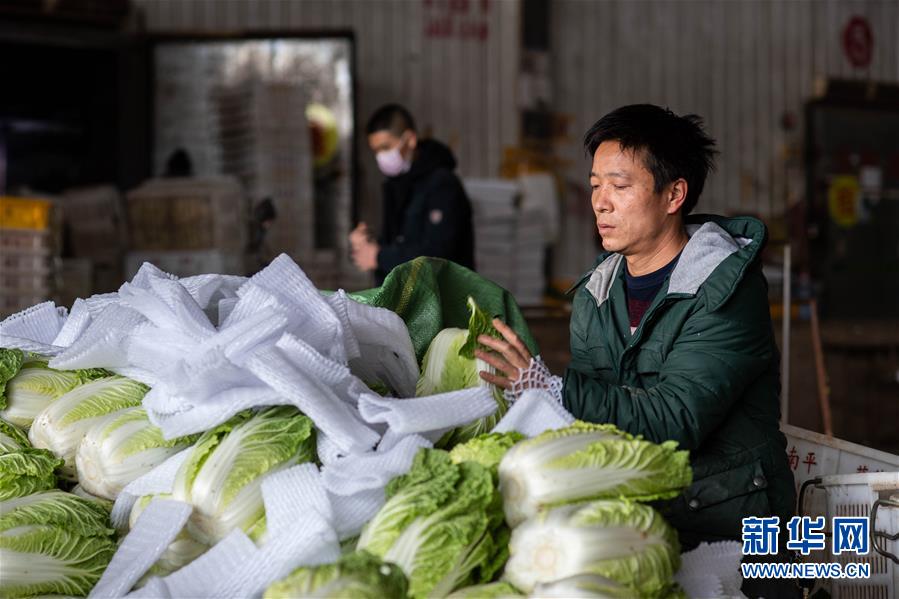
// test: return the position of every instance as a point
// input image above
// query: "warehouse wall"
(452, 62)
(741, 65)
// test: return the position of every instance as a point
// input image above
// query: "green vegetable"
(12, 438)
(487, 450)
(429, 483)
(586, 585)
(120, 448)
(222, 475)
(587, 461)
(26, 471)
(493, 590)
(360, 575)
(80, 492)
(10, 363)
(348, 546)
(626, 542)
(33, 389)
(180, 552)
(436, 524)
(380, 388)
(478, 324)
(62, 425)
(53, 542)
(258, 531)
(449, 365)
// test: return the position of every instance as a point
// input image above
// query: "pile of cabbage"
(574, 499)
(53, 541)
(298, 448)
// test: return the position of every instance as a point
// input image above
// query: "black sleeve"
(387, 216)
(425, 237)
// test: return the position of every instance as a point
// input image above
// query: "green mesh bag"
(431, 294)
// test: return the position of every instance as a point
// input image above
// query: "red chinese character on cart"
(862, 468)
(810, 460)
(793, 457)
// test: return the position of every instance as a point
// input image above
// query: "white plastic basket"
(846, 479)
(854, 495)
(885, 534)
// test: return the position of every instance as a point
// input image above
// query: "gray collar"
(708, 247)
(603, 276)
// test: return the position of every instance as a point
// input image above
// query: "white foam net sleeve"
(535, 376)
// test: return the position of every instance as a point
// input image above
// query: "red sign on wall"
(463, 19)
(858, 42)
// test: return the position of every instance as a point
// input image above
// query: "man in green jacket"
(671, 335)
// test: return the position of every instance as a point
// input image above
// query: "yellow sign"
(843, 200)
(24, 213)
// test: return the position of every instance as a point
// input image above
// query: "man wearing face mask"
(425, 209)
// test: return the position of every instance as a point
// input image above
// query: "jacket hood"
(714, 260)
(430, 155)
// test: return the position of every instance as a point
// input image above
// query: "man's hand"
(365, 255)
(359, 236)
(509, 356)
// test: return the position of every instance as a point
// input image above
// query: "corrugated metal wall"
(458, 82)
(740, 65)
(743, 66)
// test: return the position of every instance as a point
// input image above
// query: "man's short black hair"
(673, 146)
(390, 117)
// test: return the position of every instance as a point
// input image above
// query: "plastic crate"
(838, 478)
(24, 213)
(187, 215)
(854, 495)
(27, 260)
(885, 531)
(25, 282)
(25, 240)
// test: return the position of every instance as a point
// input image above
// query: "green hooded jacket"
(702, 369)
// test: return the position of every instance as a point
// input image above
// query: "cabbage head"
(449, 364)
(53, 543)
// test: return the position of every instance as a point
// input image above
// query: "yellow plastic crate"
(24, 213)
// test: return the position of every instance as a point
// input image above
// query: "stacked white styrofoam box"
(509, 241)
(230, 108)
(27, 268)
(529, 258)
(184, 111)
(188, 226)
(265, 141)
(30, 240)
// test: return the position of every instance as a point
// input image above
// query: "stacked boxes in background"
(96, 241)
(28, 251)
(266, 142)
(493, 203)
(234, 112)
(184, 113)
(509, 238)
(188, 226)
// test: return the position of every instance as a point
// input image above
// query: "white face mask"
(392, 163)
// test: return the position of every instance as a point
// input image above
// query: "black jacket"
(426, 212)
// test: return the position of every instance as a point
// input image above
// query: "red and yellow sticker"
(843, 200)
